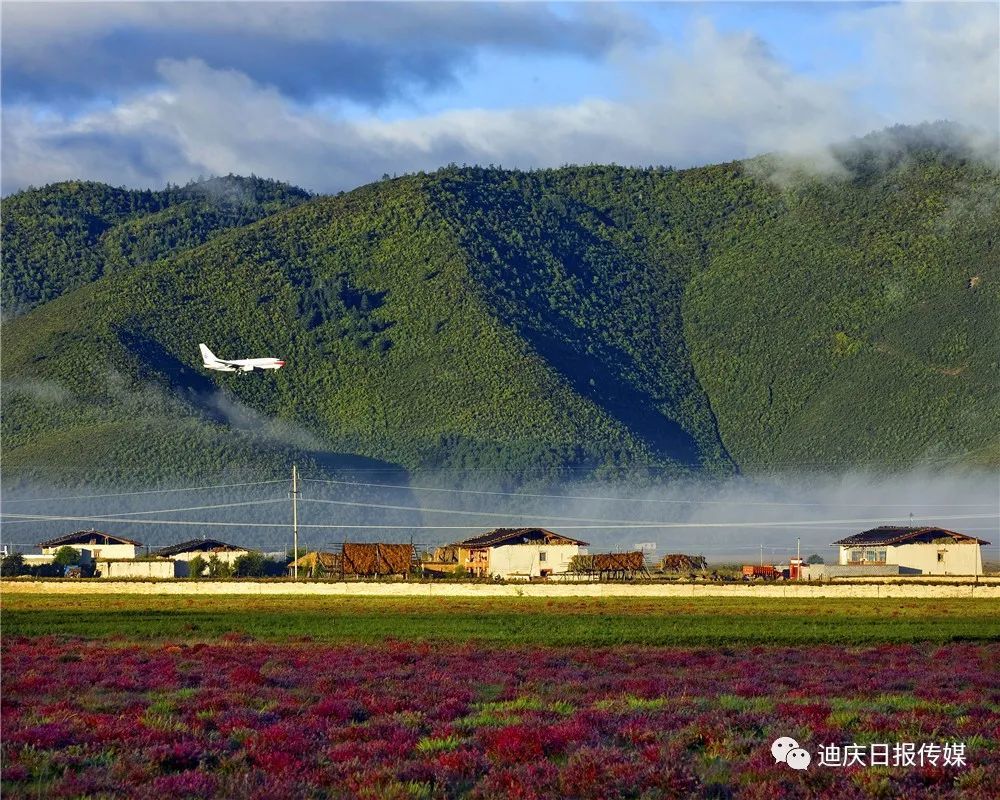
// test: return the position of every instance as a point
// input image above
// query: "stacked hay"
(678, 562)
(377, 558)
(619, 562)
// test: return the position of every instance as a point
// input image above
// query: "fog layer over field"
(724, 520)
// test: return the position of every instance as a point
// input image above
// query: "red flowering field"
(240, 718)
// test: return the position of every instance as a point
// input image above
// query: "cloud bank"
(723, 95)
(368, 52)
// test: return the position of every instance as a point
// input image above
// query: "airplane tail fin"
(206, 354)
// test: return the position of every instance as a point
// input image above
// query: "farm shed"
(92, 545)
(917, 550)
(517, 553)
(358, 559)
(442, 563)
(316, 564)
(206, 548)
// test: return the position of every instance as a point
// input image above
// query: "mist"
(881, 151)
(732, 520)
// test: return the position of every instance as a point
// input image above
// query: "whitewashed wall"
(525, 559)
(226, 557)
(92, 552)
(958, 558)
(136, 569)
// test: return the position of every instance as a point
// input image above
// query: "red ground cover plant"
(241, 719)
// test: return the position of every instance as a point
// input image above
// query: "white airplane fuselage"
(210, 361)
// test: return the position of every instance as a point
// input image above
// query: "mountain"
(519, 327)
(69, 234)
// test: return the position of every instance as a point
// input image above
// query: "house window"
(855, 555)
(940, 556)
(881, 556)
(869, 555)
(541, 555)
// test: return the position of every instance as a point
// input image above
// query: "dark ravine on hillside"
(506, 328)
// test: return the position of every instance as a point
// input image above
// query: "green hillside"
(68, 234)
(861, 325)
(529, 328)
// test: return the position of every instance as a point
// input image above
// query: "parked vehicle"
(765, 572)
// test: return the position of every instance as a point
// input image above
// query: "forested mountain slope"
(535, 327)
(68, 234)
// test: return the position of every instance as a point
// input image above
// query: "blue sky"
(331, 95)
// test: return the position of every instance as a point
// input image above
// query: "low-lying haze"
(723, 520)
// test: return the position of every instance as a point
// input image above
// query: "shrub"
(13, 565)
(250, 565)
(196, 568)
(46, 571)
(218, 569)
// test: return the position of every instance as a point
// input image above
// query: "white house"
(917, 550)
(92, 545)
(517, 553)
(184, 552)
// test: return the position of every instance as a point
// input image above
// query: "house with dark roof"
(92, 544)
(925, 550)
(207, 549)
(513, 553)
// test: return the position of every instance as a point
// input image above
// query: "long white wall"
(790, 589)
(136, 569)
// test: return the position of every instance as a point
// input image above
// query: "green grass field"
(515, 621)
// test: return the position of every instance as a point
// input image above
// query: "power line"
(803, 524)
(631, 523)
(194, 508)
(465, 513)
(131, 494)
(639, 499)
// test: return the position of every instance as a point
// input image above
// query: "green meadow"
(505, 621)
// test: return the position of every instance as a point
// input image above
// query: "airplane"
(237, 365)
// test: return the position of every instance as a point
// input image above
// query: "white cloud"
(939, 60)
(726, 96)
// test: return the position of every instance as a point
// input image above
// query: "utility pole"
(762, 555)
(295, 522)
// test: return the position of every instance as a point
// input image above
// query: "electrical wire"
(802, 524)
(631, 523)
(423, 510)
(196, 508)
